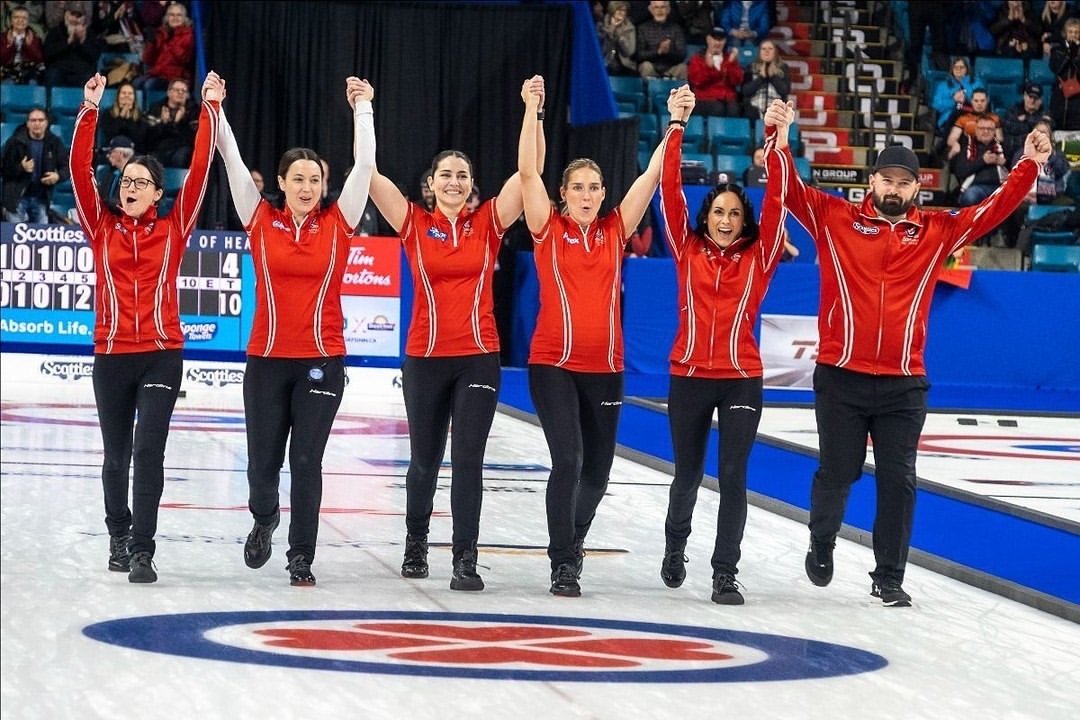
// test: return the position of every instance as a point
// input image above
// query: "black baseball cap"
(898, 156)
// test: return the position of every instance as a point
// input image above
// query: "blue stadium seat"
(729, 135)
(704, 158)
(1056, 258)
(694, 132)
(747, 55)
(1039, 72)
(734, 164)
(153, 96)
(1003, 95)
(64, 127)
(7, 129)
(648, 129)
(628, 89)
(1000, 70)
(65, 101)
(62, 201)
(1038, 212)
(174, 179)
(802, 165)
(21, 99)
(657, 90)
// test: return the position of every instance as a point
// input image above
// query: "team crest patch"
(865, 229)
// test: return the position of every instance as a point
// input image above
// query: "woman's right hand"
(94, 89)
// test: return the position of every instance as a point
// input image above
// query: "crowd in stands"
(145, 48)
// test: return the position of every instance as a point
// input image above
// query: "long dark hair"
(750, 224)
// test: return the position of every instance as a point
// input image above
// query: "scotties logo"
(865, 229)
(278, 225)
(434, 232)
(75, 370)
(216, 376)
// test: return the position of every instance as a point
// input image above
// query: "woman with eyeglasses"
(137, 337)
(295, 374)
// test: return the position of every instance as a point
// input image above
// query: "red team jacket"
(453, 266)
(579, 269)
(299, 272)
(877, 278)
(137, 261)
(720, 291)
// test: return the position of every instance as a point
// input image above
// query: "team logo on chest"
(569, 239)
(865, 229)
(278, 225)
(434, 232)
(466, 229)
(911, 237)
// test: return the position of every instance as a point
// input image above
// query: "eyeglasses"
(139, 183)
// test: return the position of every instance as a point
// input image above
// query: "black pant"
(579, 413)
(691, 402)
(143, 385)
(282, 397)
(892, 410)
(464, 388)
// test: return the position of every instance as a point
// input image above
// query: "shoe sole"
(119, 568)
(467, 585)
(143, 579)
(256, 564)
(566, 592)
(414, 574)
(728, 599)
(672, 582)
(302, 583)
(901, 602)
(818, 580)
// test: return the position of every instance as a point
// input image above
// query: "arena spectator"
(119, 150)
(71, 51)
(661, 44)
(966, 122)
(1020, 119)
(745, 21)
(618, 39)
(171, 54)
(1016, 32)
(171, 135)
(715, 76)
(32, 161)
(768, 79)
(22, 51)
(1065, 64)
(124, 118)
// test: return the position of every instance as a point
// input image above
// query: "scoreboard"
(47, 287)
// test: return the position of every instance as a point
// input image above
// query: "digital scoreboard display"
(47, 288)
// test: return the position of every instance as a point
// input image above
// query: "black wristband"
(540, 114)
(680, 123)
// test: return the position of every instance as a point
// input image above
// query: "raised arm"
(81, 160)
(190, 198)
(633, 205)
(807, 204)
(536, 203)
(509, 203)
(354, 193)
(245, 195)
(389, 200)
(672, 198)
(771, 236)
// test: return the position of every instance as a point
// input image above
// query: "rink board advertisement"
(789, 349)
(48, 280)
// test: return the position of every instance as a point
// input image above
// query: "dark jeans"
(892, 410)
(691, 402)
(465, 389)
(579, 413)
(280, 398)
(143, 385)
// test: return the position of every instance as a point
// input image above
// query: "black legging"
(891, 409)
(579, 413)
(691, 402)
(146, 385)
(281, 397)
(465, 388)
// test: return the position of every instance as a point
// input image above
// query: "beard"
(891, 205)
